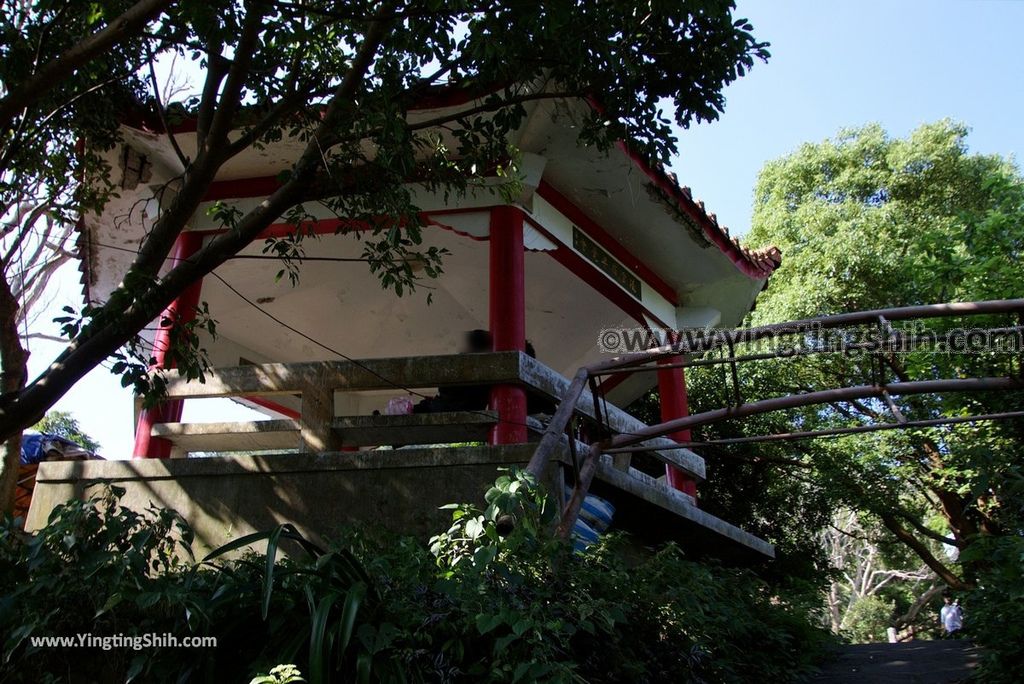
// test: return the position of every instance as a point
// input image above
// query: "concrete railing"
(319, 429)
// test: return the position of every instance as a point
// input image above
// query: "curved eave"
(758, 265)
(755, 264)
(703, 230)
(82, 251)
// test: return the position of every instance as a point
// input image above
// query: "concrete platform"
(226, 496)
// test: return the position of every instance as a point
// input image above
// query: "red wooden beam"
(675, 404)
(508, 317)
(597, 280)
(181, 310)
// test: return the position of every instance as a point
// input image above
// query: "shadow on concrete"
(228, 496)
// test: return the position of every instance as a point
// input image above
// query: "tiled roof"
(756, 263)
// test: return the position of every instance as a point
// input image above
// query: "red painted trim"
(430, 221)
(334, 225)
(593, 229)
(579, 266)
(589, 274)
(182, 309)
(507, 295)
(453, 96)
(563, 254)
(597, 280)
(274, 406)
(261, 186)
(507, 279)
(318, 227)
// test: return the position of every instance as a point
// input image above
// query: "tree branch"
(922, 551)
(160, 112)
(54, 73)
(117, 324)
(917, 605)
(224, 114)
(24, 225)
(917, 525)
(44, 336)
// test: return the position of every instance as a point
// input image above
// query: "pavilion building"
(597, 241)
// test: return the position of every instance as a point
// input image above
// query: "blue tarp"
(595, 516)
(38, 446)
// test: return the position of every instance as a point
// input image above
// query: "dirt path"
(916, 662)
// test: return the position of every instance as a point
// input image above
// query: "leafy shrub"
(97, 568)
(868, 619)
(994, 612)
(493, 599)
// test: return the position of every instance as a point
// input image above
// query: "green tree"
(63, 424)
(867, 619)
(340, 78)
(869, 566)
(870, 221)
(66, 70)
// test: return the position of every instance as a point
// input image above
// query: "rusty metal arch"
(710, 341)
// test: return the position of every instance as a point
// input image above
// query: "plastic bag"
(398, 406)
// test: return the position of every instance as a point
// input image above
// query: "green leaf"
(486, 623)
(319, 647)
(353, 600)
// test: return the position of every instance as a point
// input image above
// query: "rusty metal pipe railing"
(742, 335)
(552, 436)
(906, 342)
(637, 363)
(813, 398)
(835, 432)
(579, 493)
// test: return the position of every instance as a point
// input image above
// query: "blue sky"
(835, 64)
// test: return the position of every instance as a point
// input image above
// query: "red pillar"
(672, 392)
(182, 309)
(508, 317)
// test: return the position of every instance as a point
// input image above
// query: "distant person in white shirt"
(952, 617)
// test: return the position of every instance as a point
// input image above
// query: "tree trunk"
(13, 375)
(908, 618)
(834, 613)
(126, 313)
(924, 553)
